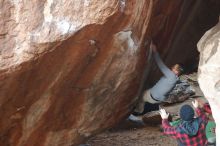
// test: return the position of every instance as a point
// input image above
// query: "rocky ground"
(131, 134)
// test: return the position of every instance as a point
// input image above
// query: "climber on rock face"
(158, 92)
(169, 89)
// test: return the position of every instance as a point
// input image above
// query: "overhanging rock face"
(71, 68)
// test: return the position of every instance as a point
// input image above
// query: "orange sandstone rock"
(71, 68)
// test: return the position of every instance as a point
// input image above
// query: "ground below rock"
(139, 136)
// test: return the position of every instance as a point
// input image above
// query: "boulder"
(71, 68)
(209, 72)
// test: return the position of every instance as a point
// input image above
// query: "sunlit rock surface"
(209, 72)
(71, 68)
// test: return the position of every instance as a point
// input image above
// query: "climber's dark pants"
(148, 107)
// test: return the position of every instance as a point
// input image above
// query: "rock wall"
(209, 72)
(71, 68)
(195, 18)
